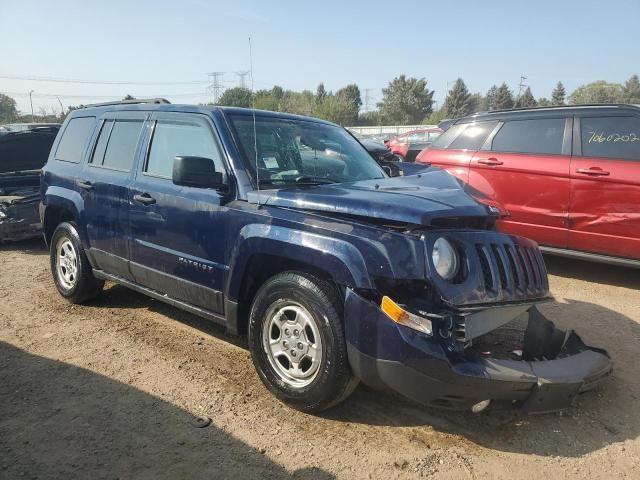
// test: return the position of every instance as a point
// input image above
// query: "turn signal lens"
(399, 315)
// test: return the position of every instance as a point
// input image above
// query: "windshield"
(301, 152)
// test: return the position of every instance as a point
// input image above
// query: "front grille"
(509, 268)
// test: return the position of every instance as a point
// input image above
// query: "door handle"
(84, 184)
(145, 199)
(595, 171)
(489, 161)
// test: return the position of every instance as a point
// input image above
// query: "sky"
(168, 47)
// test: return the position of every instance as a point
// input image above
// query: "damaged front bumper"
(19, 218)
(554, 368)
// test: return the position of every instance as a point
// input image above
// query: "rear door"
(605, 185)
(524, 167)
(454, 148)
(178, 233)
(104, 185)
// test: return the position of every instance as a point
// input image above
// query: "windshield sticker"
(601, 137)
(270, 162)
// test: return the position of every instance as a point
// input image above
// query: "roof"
(142, 106)
(550, 111)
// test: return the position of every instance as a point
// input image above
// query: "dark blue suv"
(283, 228)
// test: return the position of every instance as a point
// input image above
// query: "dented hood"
(416, 199)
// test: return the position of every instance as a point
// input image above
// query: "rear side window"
(74, 139)
(172, 138)
(611, 137)
(416, 137)
(116, 145)
(541, 136)
(473, 137)
(444, 140)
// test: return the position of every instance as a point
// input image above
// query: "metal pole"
(61, 107)
(31, 101)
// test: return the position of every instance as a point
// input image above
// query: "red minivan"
(568, 176)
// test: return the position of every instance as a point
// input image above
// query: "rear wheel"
(71, 270)
(297, 343)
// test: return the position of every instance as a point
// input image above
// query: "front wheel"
(297, 343)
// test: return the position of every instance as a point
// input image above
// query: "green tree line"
(405, 101)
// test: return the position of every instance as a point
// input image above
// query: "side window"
(74, 138)
(473, 136)
(417, 137)
(541, 136)
(116, 145)
(444, 140)
(611, 137)
(433, 136)
(172, 138)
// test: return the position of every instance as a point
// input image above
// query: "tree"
(350, 96)
(492, 97)
(544, 102)
(8, 110)
(478, 103)
(526, 99)
(335, 109)
(406, 100)
(458, 101)
(236, 97)
(129, 97)
(504, 97)
(631, 90)
(436, 117)
(301, 103)
(558, 94)
(597, 92)
(321, 93)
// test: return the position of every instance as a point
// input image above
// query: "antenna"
(253, 114)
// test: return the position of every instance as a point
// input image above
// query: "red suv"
(568, 176)
(409, 144)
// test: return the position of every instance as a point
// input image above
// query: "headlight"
(445, 258)
(3, 214)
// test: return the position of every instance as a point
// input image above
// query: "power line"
(33, 78)
(62, 95)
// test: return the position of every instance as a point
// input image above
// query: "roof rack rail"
(582, 105)
(130, 102)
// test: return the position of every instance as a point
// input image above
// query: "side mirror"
(196, 172)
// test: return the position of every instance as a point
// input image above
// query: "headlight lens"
(445, 258)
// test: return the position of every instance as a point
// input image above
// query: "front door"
(605, 186)
(104, 185)
(525, 169)
(178, 235)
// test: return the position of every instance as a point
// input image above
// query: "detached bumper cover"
(384, 354)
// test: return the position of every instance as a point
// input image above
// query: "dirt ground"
(111, 390)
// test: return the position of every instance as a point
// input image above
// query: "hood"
(416, 199)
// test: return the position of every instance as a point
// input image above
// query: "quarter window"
(541, 136)
(74, 139)
(611, 137)
(473, 137)
(116, 145)
(172, 138)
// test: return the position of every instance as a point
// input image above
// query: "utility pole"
(242, 75)
(31, 102)
(216, 87)
(61, 107)
(521, 85)
(367, 98)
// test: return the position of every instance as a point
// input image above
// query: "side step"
(219, 319)
(593, 257)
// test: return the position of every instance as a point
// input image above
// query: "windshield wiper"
(309, 180)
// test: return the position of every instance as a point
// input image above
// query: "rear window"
(116, 146)
(74, 139)
(444, 140)
(611, 137)
(540, 136)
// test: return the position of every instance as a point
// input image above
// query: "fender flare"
(70, 200)
(340, 259)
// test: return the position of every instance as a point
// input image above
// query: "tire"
(70, 268)
(301, 314)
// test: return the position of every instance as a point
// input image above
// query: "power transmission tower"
(242, 75)
(367, 98)
(216, 87)
(521, 85)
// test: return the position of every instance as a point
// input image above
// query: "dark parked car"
(384, 156)
(568, 176)
(285, 229)
(22, 155)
